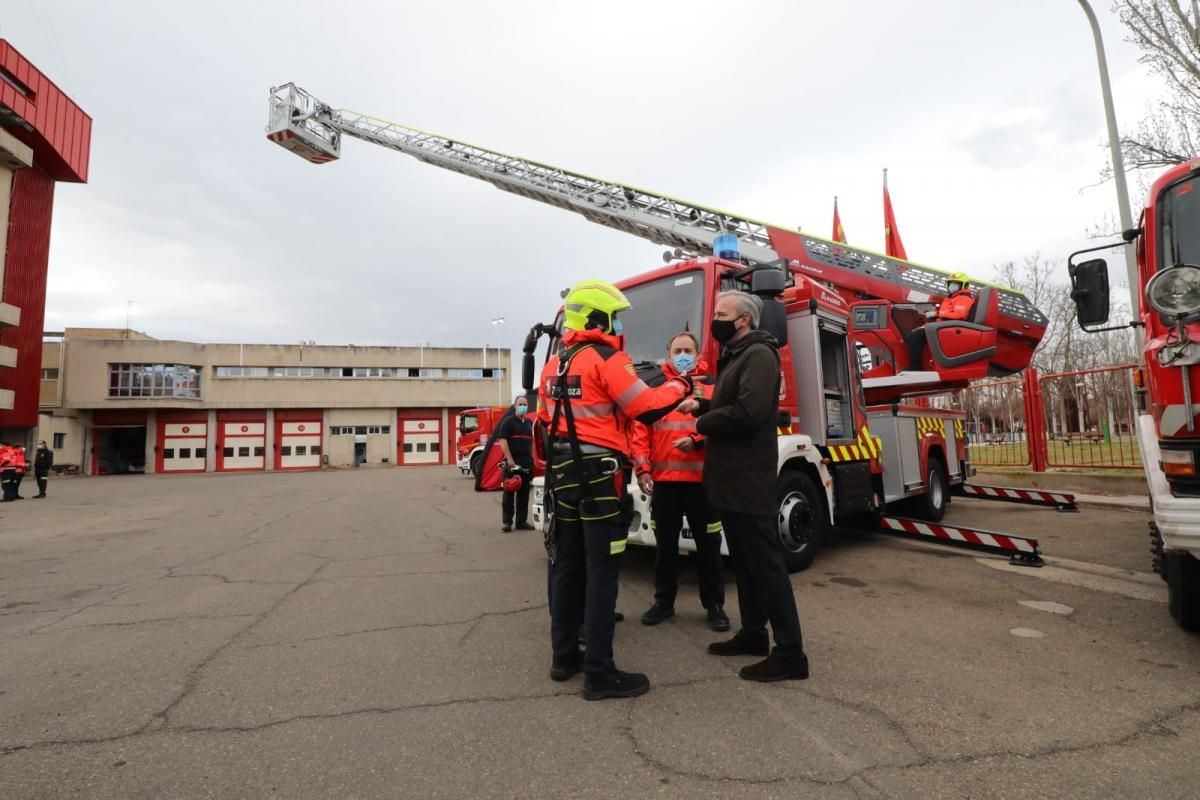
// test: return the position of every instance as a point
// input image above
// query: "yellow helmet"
(592, 303)
(961, 278)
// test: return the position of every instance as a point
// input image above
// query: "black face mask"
(723, 329)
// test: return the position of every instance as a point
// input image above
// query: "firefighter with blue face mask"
(668, 457)
(588, 393)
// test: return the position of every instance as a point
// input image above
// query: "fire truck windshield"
(1180, 214)
(660, 310)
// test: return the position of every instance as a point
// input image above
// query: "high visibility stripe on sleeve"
(632, 393)
(617, 547)
(676, 425)
(714, 527)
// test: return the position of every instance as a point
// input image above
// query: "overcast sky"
(987, 114)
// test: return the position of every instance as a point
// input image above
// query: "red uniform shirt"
(654, 448)
(957, 305)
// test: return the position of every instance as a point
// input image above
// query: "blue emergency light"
(725, 245)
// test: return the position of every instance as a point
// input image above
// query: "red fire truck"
(1167, 244)
(474, 427)
(852, 440)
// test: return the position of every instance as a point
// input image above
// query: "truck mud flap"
(1022, 550)
(1062, 501)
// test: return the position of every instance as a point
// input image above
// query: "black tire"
(476, 464)
(931, 506)
(802, 521)
(1183, 588)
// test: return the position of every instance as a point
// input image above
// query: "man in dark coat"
(740, 466)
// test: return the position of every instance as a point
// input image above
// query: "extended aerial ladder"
(998, 339)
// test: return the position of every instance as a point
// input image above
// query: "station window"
(435, 447)
(301, 450)
(227, 452)
(50, 374)
(169, 452)
(379, 429)
(243, 452)
(60, 441)
(315, 450)
(201, 452)
(153, 380)
(408, 447)
(360, 430)
(258, 451)
(185, 452)
(420, 447)
(285, 450)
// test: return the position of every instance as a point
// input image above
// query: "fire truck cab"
(1167, 242)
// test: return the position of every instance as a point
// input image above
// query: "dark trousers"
(8, 480)
(520, 499)
(17, 489)
(670, 503)
(764, 588)
(41, 482)
(915, 339)
(585, 578)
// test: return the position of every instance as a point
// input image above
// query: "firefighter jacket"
(654, 448)
(18, 460)
(604, 390)
(957, 305)
(8, 457)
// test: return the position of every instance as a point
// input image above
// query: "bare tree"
(1169, 37)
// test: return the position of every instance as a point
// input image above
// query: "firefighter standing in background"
(957, 305)
(42, 463)
(587, 393)
(8, 472)
(668, 457)
(514, 437)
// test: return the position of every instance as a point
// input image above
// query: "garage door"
(243, 446)
(299, 444)
(183, 446)
(421, 442)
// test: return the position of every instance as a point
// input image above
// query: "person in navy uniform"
(514, 437)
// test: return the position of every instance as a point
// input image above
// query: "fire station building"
(44, 140)
(120, 402)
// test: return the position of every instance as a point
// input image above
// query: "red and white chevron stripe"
(928, 530)
(1028, 495)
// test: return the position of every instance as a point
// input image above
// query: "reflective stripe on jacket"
(605, 391)
(654, 448)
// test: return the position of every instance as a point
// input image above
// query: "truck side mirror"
(774, 319)
(1089, 290)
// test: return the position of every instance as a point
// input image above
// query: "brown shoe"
(741, 645)
(772, 669)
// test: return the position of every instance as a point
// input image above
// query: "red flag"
(891, 236)
(839, 233)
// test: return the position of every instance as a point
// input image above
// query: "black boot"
(566, 671)
(773, 669)
(615, 683)
(742, 644)
(718, 620)
(657, 613)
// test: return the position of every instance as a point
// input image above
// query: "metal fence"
(1084, 419)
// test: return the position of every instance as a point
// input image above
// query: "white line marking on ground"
(1048, 606)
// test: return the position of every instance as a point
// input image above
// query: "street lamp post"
(1118, 165)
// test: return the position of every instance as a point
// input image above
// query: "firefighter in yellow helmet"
(588, 392)
(957, 305)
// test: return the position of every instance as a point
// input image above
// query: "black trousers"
(8, 480)
(519, 499)
(20, 477)
(670, 503)
(764, 588)
(585, 577)
(41, 482)
(915, 339)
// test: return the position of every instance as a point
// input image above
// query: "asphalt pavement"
(372, 634)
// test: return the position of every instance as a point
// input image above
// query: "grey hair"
(747, 304)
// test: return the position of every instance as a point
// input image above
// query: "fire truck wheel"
(803, 523)
(476, 464)
(931, 506)
(1183, 588)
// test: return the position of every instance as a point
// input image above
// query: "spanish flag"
(839, 233)
(891, 236)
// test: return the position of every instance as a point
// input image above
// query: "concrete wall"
(85, 375)
(74, 445)
(380, 446)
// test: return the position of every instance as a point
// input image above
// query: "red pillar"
(1035, 420)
